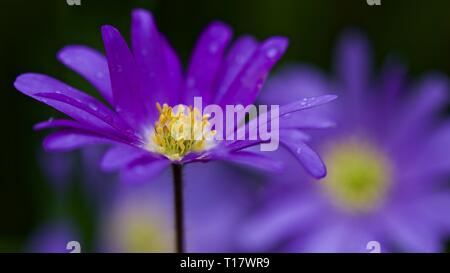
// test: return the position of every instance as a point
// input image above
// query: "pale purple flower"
(388, 163)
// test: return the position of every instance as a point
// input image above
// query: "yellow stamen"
(177, 133)
(358, 177)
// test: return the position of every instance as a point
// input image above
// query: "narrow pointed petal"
(150, 56)
(90, 64)
(255, 160)
(119, 156)
(68, 140)
(429, 98)
(205, 62)
(239, 54)
(74, 103)
(143, 170)
(246, 86)
(174, 72)
(309, 159)
(125, 81)
(353, 63)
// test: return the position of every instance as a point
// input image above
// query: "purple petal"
(67, 140)
(125, 82)
(246, 86)
(286, 110)
(353, 63)
(76, 104)
(120, 156)
(255, 160)
(90, 64)
(238, 56)
(411, 234)
(174, 71)
(143, 169)
(150, 56)
(55, 123)
(205, 62)
(294, 82)
(310, 160)
(430, 97)
(306, 120)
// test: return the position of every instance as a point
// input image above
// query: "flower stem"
(177, 171)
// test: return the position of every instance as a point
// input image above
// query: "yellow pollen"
(176, 133)
(358, 175)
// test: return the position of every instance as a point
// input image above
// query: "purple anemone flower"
(388, 162)
(132, 81)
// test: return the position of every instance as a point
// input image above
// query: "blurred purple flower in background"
(134, 81)
(139, 219)
(388, 161)
(52, 238)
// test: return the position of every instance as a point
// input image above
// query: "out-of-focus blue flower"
(388, 161)
(52, 238)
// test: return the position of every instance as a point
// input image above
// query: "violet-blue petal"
(252, 159)
(246, 86)
(310, 160)
(237, 57)
(143, 169)
(205, 62)
(286, 110)
(353, 64)
(56, 123)
(90, 64)
(429, 98)
(174, 72)
(412, 235)
(150, 56)
(76, 104)
(125, 81)
(120, 156)
(68, 140)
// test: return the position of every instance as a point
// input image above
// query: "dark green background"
(31, 32)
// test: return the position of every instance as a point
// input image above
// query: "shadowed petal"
(246, 86)
(420, 110)
(143, 169)
(255, 160)
(236, 59)
(125, 82)
(120, 156)
(76, 104)
(67, 140)
(150, 56)
(90, 64)
(205, 62)
(353, 64)
(310, 160)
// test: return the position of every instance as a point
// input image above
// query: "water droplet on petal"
(93, 106)
(272, 53)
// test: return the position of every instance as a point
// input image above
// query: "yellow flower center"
(358, 175)
(178, 132)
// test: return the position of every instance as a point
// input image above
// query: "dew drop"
(93, 106)
(272, 53)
